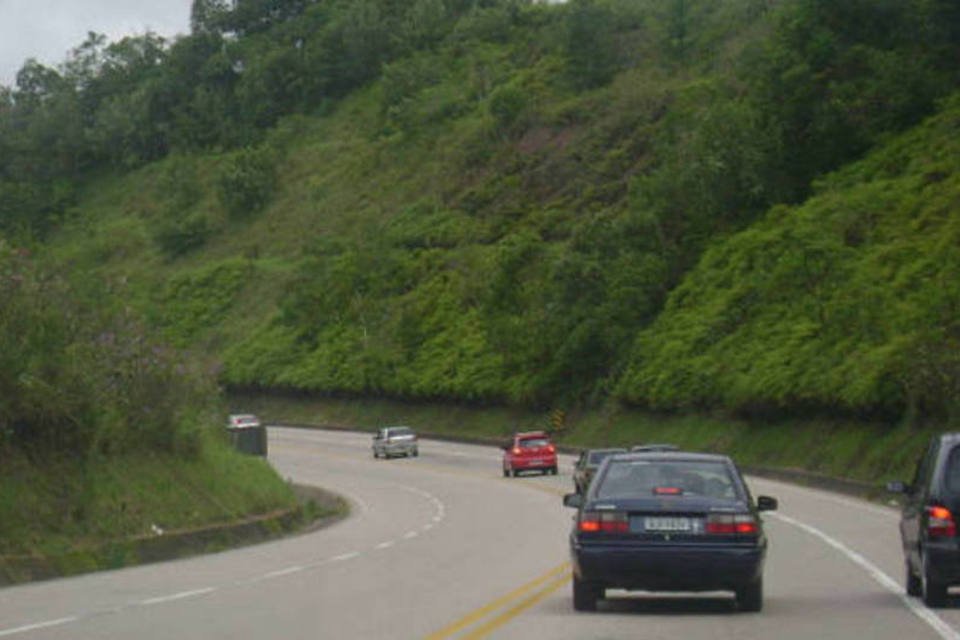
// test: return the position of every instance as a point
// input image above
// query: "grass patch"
(65, 508)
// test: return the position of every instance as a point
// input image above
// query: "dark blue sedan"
(668, 522)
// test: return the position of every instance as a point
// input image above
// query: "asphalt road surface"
(442, 546)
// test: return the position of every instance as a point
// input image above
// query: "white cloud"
(48, 29)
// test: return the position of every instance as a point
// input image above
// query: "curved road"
(442, 546)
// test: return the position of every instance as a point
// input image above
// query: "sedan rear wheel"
(750, 596)
(586, 594)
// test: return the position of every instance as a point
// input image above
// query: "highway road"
(442, 546)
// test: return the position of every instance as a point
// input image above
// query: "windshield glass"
(642, 478)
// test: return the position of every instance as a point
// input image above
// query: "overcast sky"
(48, 29)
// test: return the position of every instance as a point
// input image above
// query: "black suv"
(928, 524)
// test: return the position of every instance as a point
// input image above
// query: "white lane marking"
(345, 556)
(943, 629)
(385, 545)
(352, 497)
(826, 496)
(283, 572)
(39, 625)
(409, 535)
(178, 596)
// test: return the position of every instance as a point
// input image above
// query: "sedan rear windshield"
(531, 443)
(645, 478)
(399, 431)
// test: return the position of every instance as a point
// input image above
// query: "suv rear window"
(951, 475)
(399, 431)
(642, 478)
(596, 457)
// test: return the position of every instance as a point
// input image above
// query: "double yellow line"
(499, 612)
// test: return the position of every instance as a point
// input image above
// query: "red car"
(529, 451)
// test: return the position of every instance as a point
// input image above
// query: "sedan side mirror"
(898, 486)
(766, 503)
(573, 500)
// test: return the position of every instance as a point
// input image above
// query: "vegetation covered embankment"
(105, 435)
(822, 451)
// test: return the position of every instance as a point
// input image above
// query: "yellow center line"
(473, 617)
(511, 613)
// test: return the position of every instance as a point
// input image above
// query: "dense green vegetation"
(105, 434)
(502, 201)
(850, 301)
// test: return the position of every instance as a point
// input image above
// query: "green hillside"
(850, 302)
(492, 201)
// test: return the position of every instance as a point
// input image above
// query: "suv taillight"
(731, 524)
(517, 451)
(604, 522)
(940, 523)
(551, 448)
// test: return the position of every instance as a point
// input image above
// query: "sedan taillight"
(604, 522)
(731, 524)
(940, 523)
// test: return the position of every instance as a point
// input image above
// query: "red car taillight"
(940, 523)
(604, 522)
(551, 448)
(517, 451)
(731, 524)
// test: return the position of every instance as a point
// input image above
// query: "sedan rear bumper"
(665, 567)
(521, 464)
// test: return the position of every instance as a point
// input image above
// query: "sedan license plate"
(667, 524)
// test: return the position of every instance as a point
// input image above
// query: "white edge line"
(39, 625)
(283, 572)
(943, 629)
(385, 545)
(177, 596)
(345, 556)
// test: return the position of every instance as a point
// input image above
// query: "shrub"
(246, 181)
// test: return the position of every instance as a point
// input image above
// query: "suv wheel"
(913, 582)
(750, 596)
(934, 593)
(586, 594)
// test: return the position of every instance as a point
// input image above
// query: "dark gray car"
(928, 524)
